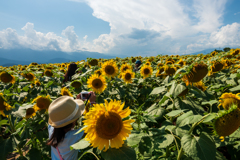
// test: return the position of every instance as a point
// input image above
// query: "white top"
(64, 146)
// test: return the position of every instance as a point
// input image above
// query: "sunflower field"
(174, 107)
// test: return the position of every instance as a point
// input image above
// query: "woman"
(63, 115)
(71, 71)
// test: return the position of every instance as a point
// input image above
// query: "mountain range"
(10, 57)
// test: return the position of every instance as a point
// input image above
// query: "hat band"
(68, 118)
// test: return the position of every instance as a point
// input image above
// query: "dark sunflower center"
(128, 76)
(94, 62)
(29, 111)
(146, 71)
(109, 70)
(125, 68)
(76, 84)
(29, 76)
(217, 67)
(6, 78)
(43, 103)
(97, 83)
(109, 125)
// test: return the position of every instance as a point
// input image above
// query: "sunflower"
(4, 106)
(159, 71)
(160, 64)
(148, 63)
(146, 71)
(214, 53)
(169, 70)
(6, 77)
(227, 122)
(66, 92)
(97, 83)
(104, 125)
(48, 73)
(169, 62)
(196, 73)
(133, 60)
(109, 69)
(235, 52)
(76, 84)
(30, 112)
(30, 76)
(93, 62)
(37, 82)
(200, 85)
(98, 72)
(181, 62)
(62, 70)
(127, 76)
(125, 67)
(42, 102)
(227, 99)
(227, 63)
(217, 66)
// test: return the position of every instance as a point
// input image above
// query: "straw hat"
(65, 110)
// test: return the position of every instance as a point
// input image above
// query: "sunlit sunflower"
(6, 77)
(169, 63)
(4, 106)
(37, 82)
(214, 53)
(227, 122)
(125, 67)
(181, 62)
(217, 66)
(160, 64)
(227, 63)
(146, 71)
(48, 73)
(30, 112)
(104, 125)
(98, 72)
(133, 60)
(42, 102)
(97, 83)
(235, 52)
(93, 62)
(148, 63)
(196, 73)
(228, 99)
(76, 84)
(30, 76)
(62, 70)
(110, 69)
(66, 92)
(159, 71)
(200, 85)
(169, 70)
(127, 76)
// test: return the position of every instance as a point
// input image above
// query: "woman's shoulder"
(74, 134)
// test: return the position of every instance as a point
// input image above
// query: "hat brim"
(80, 111)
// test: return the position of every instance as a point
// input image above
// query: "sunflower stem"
(87, 153)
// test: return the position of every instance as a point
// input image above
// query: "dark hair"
(71, 71)
(58, 135)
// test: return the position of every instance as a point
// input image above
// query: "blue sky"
(136, 27)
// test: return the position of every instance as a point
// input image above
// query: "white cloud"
(139, 27)
(226, 36)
